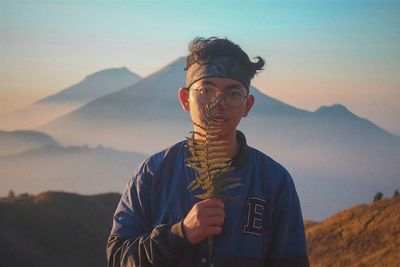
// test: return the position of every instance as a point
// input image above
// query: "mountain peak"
(112, 72)
(176, 66)
(337, 110)
(19, 141)
(334, 107)
(179, 60)
(29, 135)
(94, 86)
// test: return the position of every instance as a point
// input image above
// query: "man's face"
(227, 92)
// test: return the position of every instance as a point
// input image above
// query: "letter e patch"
(255, 217)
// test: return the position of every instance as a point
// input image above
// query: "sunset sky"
(317, 52)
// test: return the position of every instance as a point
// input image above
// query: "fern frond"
(217, 143)
(209, 160)
(215, 148)
(218, 166)
(200, 126)
(208, 157)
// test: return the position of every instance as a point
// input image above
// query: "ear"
(248, 105)
(183, 96)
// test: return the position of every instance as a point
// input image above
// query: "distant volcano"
(51, 107)
(94, 86)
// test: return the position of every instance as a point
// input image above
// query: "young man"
(159, 222)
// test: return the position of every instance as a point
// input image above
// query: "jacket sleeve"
(288, 247)
(133, 240)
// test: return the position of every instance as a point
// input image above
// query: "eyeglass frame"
(223, 92)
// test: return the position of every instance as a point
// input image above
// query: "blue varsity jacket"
(265, 228)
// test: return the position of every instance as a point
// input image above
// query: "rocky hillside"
(64, 229)
(55, 229)
(365, 235)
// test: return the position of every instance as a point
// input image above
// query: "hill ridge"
(364, 235)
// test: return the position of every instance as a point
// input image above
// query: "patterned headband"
(220, 67)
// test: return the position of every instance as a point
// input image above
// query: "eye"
(206, 90)
(234, 93)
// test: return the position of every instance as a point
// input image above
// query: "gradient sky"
(318, 52)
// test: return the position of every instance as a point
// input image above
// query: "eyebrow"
(232, 86)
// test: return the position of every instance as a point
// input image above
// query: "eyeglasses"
(233, 97)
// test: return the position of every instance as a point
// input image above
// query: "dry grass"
(365, 235)
(55, 229)
(62, 229)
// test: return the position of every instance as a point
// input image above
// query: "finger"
(215, 221)
(214, 212)
(214, 230)
(213, 202)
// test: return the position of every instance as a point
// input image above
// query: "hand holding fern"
(204, 219)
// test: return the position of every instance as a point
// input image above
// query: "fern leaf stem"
(210, 250)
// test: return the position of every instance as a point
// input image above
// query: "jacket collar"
(243, 155)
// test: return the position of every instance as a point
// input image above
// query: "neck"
(232, 147)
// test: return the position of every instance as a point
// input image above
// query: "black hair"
(203, 50)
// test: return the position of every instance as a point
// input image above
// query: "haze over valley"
(336, 158)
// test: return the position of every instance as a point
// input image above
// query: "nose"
(220, 99)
